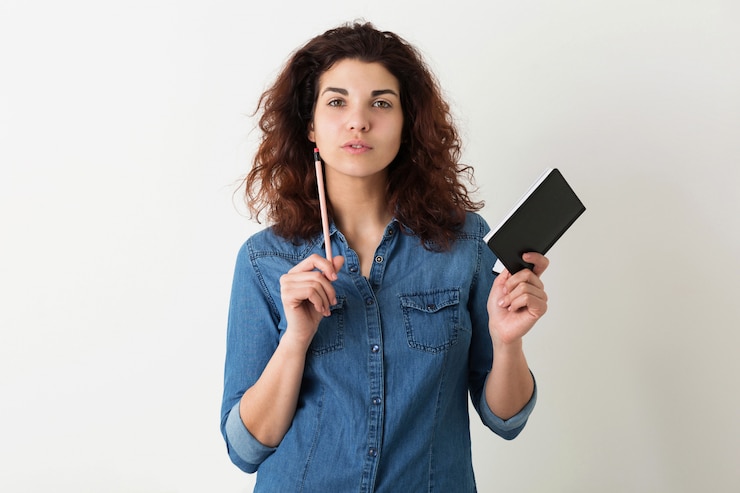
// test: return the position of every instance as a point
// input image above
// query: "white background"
(125, 128)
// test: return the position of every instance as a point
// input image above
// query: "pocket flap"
(431, 301)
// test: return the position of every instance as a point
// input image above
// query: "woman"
(352, 374)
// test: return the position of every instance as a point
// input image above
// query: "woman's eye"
(336, 102)
(382, 104)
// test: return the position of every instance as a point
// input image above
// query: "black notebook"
(536, 222)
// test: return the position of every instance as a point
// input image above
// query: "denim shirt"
(383, 403)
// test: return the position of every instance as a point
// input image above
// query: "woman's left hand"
(517, 301)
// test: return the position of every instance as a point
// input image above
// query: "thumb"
(338, 262)
(501, 279)
(498, 290)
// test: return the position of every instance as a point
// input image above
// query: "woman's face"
(358, 119)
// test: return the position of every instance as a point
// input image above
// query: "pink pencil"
(322, 202)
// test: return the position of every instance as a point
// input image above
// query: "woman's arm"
(267, 407)
(515, 303)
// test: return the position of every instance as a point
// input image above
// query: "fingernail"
(501, 302)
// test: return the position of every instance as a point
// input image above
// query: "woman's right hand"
(307, 294)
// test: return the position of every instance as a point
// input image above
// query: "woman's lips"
(356, 147)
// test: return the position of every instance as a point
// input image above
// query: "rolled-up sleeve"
(252, 337)
(508, 428)
(245, 450)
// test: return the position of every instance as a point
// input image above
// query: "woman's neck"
(361, 213)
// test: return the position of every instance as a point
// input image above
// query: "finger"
(316, 262)
(311, 286)
(520, 296)
(338, 262)
(523, 294)
(526, 289)
(524, 276)
(320, 301)
(535, 305)
(499, 281)
(539, 261)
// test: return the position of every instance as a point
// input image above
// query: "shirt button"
(369, 302)
(377, 401)
(375, 348)
(373, 452)
(378, 259)
(431, 307)
(353, 269)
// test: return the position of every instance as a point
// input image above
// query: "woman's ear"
(311, 136)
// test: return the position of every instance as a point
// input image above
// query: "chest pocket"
(431, 319)
(330, 334)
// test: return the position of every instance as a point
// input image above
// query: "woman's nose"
(359, 120)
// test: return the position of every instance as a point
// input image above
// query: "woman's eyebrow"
(345, 92)
(341, 91)
(380, 92)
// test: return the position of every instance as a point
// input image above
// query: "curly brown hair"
(424, 186)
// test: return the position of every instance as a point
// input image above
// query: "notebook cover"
(540, 218)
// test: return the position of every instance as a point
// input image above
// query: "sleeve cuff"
(509, 428)
(251, 452)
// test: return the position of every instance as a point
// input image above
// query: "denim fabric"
(383, 405)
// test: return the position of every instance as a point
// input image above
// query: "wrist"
(503, 347)
(295, 343)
